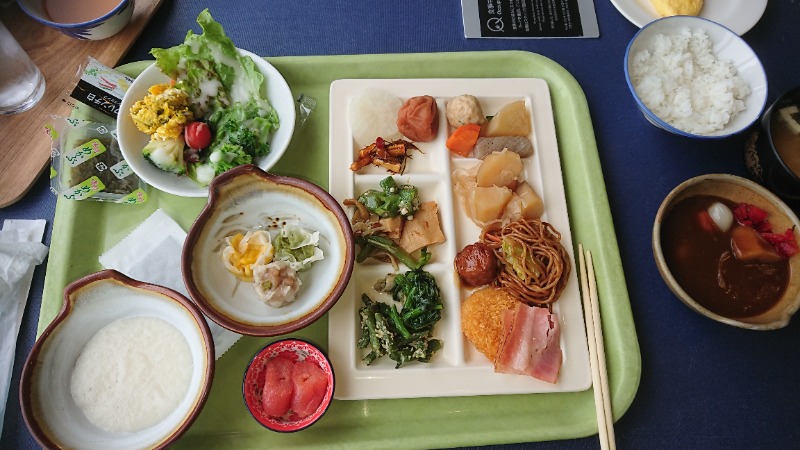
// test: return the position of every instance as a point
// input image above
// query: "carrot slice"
(463, 139)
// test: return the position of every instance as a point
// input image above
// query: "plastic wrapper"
(86, 163)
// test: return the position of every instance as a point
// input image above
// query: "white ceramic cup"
(21, 82)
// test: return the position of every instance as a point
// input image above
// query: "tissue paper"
(152, 253)
(21, 251)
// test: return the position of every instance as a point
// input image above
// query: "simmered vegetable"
(370, 244)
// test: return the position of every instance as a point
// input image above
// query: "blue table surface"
(703, 384)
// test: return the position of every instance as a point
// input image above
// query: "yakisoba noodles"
(534, 265)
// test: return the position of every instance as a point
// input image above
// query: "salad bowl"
(132, 141)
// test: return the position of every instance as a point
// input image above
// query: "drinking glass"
(21, 82)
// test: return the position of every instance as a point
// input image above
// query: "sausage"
(476, 264)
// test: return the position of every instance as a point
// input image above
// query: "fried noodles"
(534, 265)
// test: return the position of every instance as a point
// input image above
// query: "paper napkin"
(152, 253)
(21, 250)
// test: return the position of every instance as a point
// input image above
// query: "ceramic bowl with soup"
(81, 19)
(777, 148)
(727, 248)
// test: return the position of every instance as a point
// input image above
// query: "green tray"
(83, 230)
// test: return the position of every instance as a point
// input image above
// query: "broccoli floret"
(237, 134)
(166, 154)
(227, 156)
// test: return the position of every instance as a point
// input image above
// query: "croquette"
(482, 318)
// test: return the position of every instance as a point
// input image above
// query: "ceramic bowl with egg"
(132, 141)
(85, 20)
(695, 78)
(124, 365)
(269, 254)
(294, 402)
(727, 248)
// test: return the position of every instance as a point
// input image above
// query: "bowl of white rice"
(695, 78)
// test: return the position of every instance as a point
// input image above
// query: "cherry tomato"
(197, 135)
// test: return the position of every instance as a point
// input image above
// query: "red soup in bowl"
(727, 248)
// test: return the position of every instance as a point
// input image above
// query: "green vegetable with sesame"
(404, 334)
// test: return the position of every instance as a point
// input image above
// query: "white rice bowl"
(372, 113)
(694, 77)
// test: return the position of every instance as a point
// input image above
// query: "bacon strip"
(531, 343)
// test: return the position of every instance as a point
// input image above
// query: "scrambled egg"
(242, 252)
(678, 7)
(163, 113)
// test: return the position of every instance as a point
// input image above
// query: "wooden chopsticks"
(597, 354)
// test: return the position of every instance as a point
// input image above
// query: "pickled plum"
(418, 118)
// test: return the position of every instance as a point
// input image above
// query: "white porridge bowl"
(658, 89)
(92, 306)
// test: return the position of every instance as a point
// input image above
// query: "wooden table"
(25, 151)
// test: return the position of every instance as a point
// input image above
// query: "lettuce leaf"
(226, 89)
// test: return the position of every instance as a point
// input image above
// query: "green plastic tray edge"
(463, 421)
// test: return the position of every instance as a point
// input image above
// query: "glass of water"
(21, 82)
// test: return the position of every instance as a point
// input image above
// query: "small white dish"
(738, 15)
(726, 46)
(131, 140)
(90, 304)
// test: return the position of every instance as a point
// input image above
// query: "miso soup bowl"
(766, 164)
(95, 29)
(91, 303)
(738, 190)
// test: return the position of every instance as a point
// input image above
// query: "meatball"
(476, 264)
(464, 109)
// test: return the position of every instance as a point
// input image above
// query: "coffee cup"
(81, 19)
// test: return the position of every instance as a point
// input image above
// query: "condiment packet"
(99, 87)
(86, 163)
(21, 250)
(152, 253)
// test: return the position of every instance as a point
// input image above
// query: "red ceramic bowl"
(254, 377)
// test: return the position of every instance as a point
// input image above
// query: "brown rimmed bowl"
(91, 303)
(738, 190)
(247, 198)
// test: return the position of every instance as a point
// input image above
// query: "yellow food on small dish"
(667, 8)
(163, 112)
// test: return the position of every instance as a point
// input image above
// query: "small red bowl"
(252, 386)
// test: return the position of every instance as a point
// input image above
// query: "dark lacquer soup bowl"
(727, 248)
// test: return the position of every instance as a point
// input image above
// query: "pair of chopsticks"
(597, 354)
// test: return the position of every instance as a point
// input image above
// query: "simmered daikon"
(500, 169)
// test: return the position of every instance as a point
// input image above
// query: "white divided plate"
(737, 15)
(458, 369)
